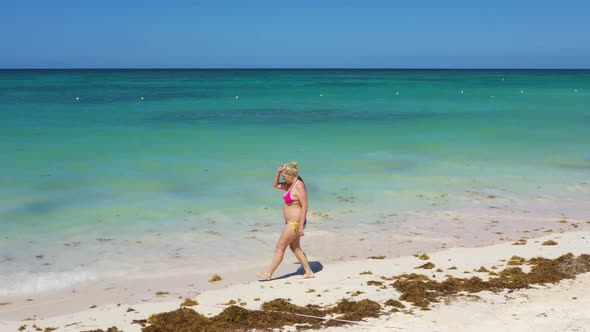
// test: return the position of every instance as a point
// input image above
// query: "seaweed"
(423, 256)
(516, 260)
(110, 329)
(189, 303)
(273, 315)
(215, 278)
(427, 266)
(421, 291)
(356, 311)
(395, 303)
(416, 289)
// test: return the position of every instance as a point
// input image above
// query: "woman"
(295, 212)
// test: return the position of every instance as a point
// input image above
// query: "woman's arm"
(302, 195)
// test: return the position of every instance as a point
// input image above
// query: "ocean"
(108, 172)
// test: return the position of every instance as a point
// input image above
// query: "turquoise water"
(121, 164)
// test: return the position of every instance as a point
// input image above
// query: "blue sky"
(294, 34)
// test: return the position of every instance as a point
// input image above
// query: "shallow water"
(109, 182)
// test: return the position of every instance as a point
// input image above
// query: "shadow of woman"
(315, 268)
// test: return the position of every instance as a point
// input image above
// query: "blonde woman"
(295, 213)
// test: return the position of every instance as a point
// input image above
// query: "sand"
(554, 307)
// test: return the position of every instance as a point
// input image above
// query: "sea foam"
(33, 283)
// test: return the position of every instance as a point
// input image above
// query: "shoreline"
(103, 304)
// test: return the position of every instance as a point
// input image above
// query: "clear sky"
(295, 34)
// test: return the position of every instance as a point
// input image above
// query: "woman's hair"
(291, 168)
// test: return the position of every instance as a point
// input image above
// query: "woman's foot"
(263, 275)
(307, 276)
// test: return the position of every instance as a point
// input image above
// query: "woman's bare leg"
(296, 248)
(287, 237)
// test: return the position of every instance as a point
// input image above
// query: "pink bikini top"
(287, 196)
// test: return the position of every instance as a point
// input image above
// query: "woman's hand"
(281, 169)
(300, 231)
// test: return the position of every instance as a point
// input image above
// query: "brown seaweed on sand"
(273, 315)
(421, 291)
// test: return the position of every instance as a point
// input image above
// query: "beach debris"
(311, 290)
(423, 257)
(376, 257)
(5, 303)
(93, 306)
(212, 232)
(395, 303)
(520, 242)
(321, 214)
(101, 239)
(421, 291)
(189, 303)
(215, 278)
(575, 266)
(365, 273)
(549, 243)
(482, 269)
(516, 260)
(162, 293)
(427, 266)
(130, 309)
(274, 314)
(562, 221)
(355, 311)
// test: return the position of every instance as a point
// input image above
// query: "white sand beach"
(551, 307)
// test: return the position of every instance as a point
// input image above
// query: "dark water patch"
(573, 164)
(39, 207)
